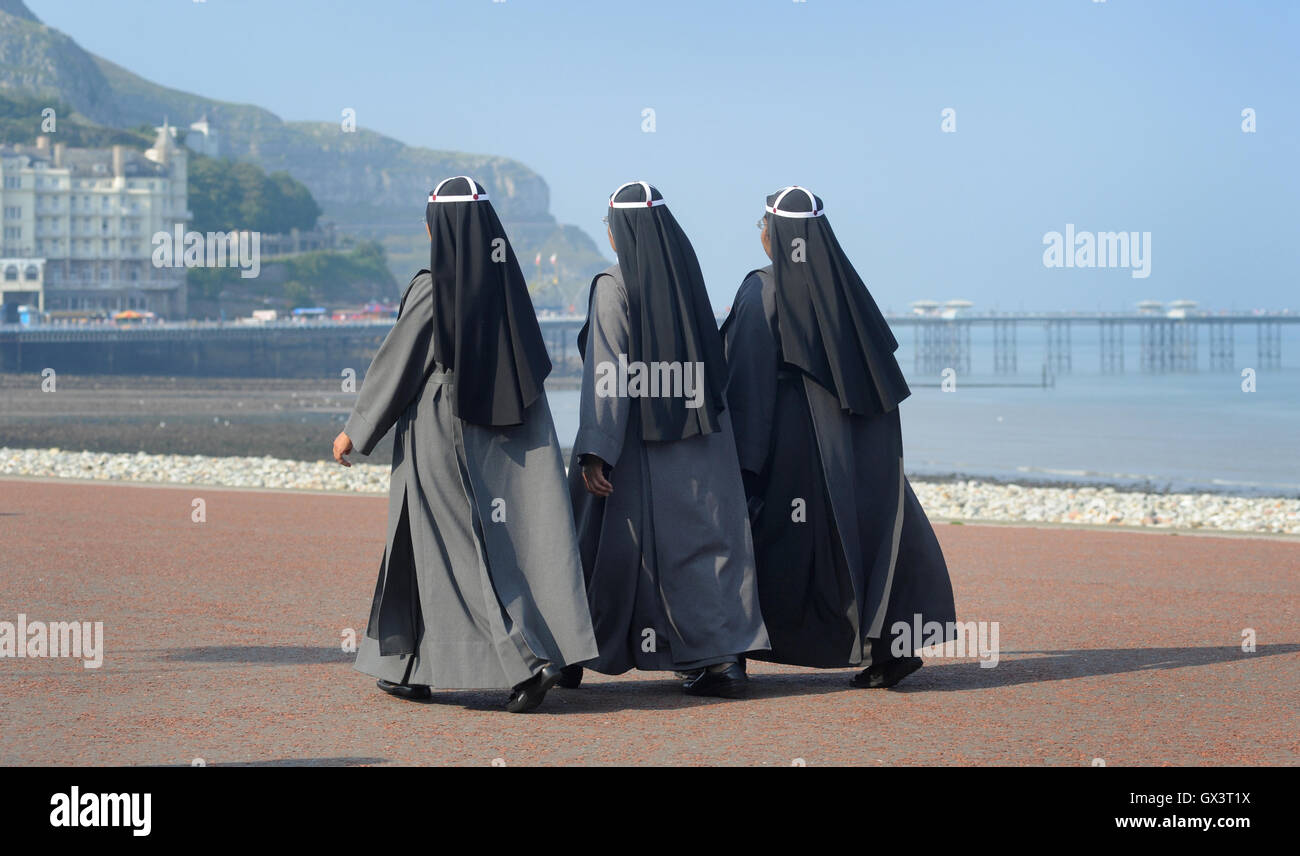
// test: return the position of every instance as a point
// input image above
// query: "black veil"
(829, 324)
(484, 324)
(671, 319)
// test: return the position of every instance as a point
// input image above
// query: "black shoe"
(410, 692)
(731, 682)
(570, 677)
(886, 674)
(529, 694)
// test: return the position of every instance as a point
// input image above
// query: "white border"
(812, 200)
(476, 197)
(649, 203)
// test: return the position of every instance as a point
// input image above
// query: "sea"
(1177, 432)
(1201, 431)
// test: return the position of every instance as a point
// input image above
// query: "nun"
(480, 584)
(846, 556)
(654, 478)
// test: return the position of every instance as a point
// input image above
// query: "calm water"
(1170, 432)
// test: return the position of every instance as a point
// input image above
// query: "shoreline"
(957, 500)
(1148, 486)
(297, 419)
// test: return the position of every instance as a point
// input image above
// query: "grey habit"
(668, 557)
(480, 584)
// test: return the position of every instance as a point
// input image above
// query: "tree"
(227, 195)
(292, 203)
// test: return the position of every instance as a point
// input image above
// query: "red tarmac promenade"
(223, 642)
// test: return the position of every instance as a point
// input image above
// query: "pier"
(1153, 343)
(1163, 343)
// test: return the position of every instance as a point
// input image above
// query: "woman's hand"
(342, 446)
(593, 476)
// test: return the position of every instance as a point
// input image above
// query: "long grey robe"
(862, 554)
(480, 584)
(668, 558)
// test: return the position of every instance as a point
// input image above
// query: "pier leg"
(931, 351)
(1059, 357)
(1004, 347)
(1269, 344)
(965, 348)
(1157, 345)
(1184, 341)
(1222, 346)
(1112, 347)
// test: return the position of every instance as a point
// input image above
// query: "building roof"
(89, 163)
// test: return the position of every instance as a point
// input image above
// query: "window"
(32, 272)
(11, 273)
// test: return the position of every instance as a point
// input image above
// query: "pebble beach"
(960, 500)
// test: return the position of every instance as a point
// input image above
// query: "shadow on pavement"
(286, 655)
(298, 762)
(1015, 667)
(1078, 663)
(641, 695)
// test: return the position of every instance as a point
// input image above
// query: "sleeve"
(603, 417)
(397, 372)
(753, 360)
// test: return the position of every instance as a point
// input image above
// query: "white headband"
(812, 200)
(473, 196)
(649, 203)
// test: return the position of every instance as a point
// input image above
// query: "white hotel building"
(78, 225)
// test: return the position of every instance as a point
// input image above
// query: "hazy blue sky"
(1122, 115)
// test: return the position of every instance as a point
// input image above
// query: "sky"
(1124, 115)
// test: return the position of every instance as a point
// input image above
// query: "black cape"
(484, 325)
